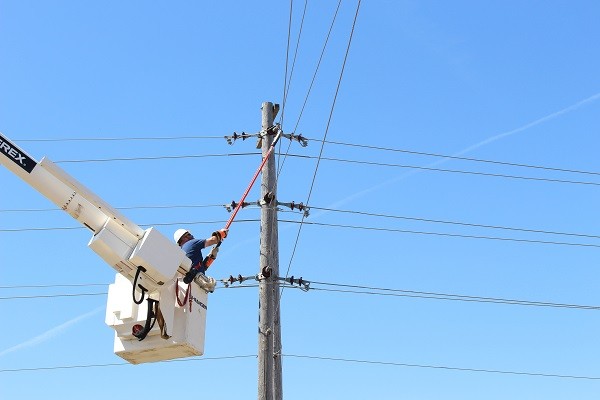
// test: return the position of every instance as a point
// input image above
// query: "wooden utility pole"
(269, 332)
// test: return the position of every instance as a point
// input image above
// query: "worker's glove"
(214, 252)
(222, 234)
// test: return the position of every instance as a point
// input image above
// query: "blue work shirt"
(193, 250)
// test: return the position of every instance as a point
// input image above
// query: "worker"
(193, 250)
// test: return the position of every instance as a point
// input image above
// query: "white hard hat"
(179, 234)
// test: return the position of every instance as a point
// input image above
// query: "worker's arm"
(211, 241)
(216, 237)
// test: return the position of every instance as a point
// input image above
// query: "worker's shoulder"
(194, 243)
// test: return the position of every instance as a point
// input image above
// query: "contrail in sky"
(530, 125)
(485, 142)
(50, 333)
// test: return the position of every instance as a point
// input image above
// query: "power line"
(342, 160)
(339, 83)
(512, 164)
(320, 358)
(52, 296)
(334, 159)
(176, 157)
(442, 234)
(287, 59)
(439, 155)
(328, 209)
(123, 208)
(41, 229)
(455, 171)
(56, 228)
(53, 286)
(313, 78)
(356, 145)
(101, 139)
(121, 364)
(85, 294)
(456, 235)
(396, 364)
(437, 221)
(287, 91)
(337, 89)
(444, 296)
(354, 289)
(368, 290)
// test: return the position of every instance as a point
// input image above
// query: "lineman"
(193, 250)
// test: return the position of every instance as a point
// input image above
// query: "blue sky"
(513, 82)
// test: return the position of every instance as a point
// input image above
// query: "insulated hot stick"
(208, 260)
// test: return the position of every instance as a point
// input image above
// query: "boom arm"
(124, 245)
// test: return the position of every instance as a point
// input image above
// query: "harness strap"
(161, 323)
(187, 298)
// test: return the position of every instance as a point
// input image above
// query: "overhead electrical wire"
(396, 364)
(484, 300)
(312, 80)
(122, 364)
(356, 145)
(152, 158)
(117, 139)
(278, 305)
(442, 296)
(320, 158)
(318, 358)
(339, 83)
(147, 207)
(480, 160)
(437, 221)
(39, 229)
(287, 60)
(372, 228)
(142, 225)
(382, 164)
(372, 163)
(280, 167)
(53, 286)
(347, 144)
(289, 83)
(441, 234)
(335, 210)
(341, 288)
(41, 296)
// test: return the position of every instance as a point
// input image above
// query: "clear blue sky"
(508, 81)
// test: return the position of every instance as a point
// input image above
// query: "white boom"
(133, 252)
